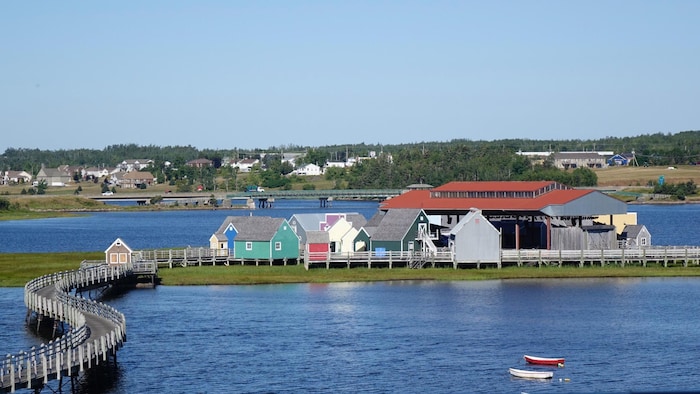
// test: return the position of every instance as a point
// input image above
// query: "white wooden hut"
(474, 240)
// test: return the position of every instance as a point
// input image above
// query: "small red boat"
(544, 360)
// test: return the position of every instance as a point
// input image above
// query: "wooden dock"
(665, 256)
(96, 330)
(642, 256)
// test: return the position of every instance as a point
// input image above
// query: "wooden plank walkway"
(96, 329)
(188, 257)
(657, 255)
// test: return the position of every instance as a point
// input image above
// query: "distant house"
(621, 159)
(337, 164)
(636, 236)
(475, 240)
(134, 164)
(573, 160)
(15, 177)
(95, 172)
(76, 172)
(291, 158)
(256, 238)
(246, 165)
(54, 176)
(134, 179)
(536, 157)
(200, 163)
(308, 170)
(118, 253)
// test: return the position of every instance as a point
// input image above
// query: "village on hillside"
(135, 174)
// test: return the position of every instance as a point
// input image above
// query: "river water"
(668, 224)
(618, 335)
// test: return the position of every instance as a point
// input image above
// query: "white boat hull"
(526, 374)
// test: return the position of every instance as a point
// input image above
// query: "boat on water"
(558, 361)
(527, 374)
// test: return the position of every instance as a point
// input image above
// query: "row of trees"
(395, 166)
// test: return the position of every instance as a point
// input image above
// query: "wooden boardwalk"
(96, 331)
(442, 258)
(689, 255)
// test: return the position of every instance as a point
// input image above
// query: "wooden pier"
(96, 330)
(665, 256)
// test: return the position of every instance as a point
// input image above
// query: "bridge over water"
(378, 194)
(325, 197)
(96, 330)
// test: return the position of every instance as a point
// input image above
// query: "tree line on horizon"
(395, 166)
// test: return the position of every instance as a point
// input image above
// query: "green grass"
(222, 275)
(16, 269)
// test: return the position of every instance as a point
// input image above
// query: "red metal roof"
(422, 199)
(494, 186)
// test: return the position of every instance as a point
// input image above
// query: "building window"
(643, 242)
(278, 245)
(248, 246)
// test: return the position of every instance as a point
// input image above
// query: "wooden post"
(623, 258)
(560, 261)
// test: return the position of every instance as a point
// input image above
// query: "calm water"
(618, 335)
(145, 230)
(669, 225)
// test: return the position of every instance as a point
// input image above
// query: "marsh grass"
(16, 269)
(222, 275)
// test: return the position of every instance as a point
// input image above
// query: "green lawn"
(16, 269)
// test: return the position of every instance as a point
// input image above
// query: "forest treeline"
(395, 166)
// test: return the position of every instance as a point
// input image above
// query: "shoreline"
(16, 269)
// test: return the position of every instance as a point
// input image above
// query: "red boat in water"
(544, 360)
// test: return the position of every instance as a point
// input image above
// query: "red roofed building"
(543, 211)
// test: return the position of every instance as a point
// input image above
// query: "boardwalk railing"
(642, 256)
(371, 259)
(440, 257)
(96, 329)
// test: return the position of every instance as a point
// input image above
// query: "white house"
(12, 177)
(245, 165)
(96, 172)
(134, 164)
(309, 170)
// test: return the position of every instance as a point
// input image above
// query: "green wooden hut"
(265, 238)
(398, 230)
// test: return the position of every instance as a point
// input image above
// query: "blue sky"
(256, 74)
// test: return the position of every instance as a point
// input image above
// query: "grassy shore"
(17, 269)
